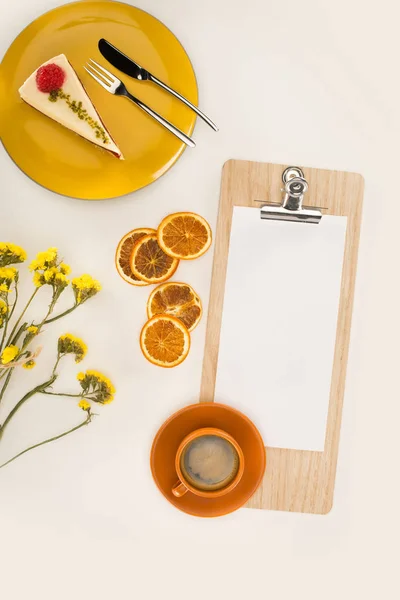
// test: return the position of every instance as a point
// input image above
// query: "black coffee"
(209, 462)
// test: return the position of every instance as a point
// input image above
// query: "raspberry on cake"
(56, 91)
(50, 78)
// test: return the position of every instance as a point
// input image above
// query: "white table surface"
(313, 83)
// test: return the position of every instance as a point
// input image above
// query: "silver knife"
(128, 66)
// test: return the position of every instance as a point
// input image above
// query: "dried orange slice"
(178, 300)
(149, 263)
(123, 255)
(184, 235)
(165, 341)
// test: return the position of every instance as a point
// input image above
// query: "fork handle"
(179, 134)
(184, 100)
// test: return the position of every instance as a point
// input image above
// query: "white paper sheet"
(279, 325)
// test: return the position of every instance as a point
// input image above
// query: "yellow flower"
(65, 269)
(108, 400)
(8, 354)
(29, 365)
(69, 344)
(85, 287)
(98, 386)
(60, 278)
(86, 281)
(50, 274)
(8, 272)
(11, 254)
(7, 276)
(44, 260)
(38, 279)
(46, 271)
(84, 405)
(3, 307)
(102, 378)
(30, 334)
(80, 376)
(4, 288)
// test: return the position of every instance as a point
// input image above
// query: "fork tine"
(103, 70)
(105, 85)
(100, 74)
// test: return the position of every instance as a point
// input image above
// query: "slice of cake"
(56, 91)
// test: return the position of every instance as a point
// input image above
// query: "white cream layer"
(59, 110)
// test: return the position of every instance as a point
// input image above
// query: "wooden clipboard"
(295, 480)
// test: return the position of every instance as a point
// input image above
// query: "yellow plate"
(57, 158)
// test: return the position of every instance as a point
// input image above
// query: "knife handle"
(179, 134)
(184, 100)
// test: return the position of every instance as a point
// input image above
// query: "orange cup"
(183, 485)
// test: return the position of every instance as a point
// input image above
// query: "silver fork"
(115, 86)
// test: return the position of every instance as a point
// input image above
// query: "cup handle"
(179, 489)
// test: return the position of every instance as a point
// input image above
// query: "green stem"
(9, 371)
(21, 315)
(49, 440)
(5, 384)
(57, 394)
(18, 334)
(15, 301)
(66, 312)
(51, 308)
(6, 324)
(59, 357)
(37, 389)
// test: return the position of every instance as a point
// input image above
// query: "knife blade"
(120, 61)
(123, 63)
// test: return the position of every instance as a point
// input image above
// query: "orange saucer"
(196, 416)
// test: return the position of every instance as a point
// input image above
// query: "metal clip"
(292, 208)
